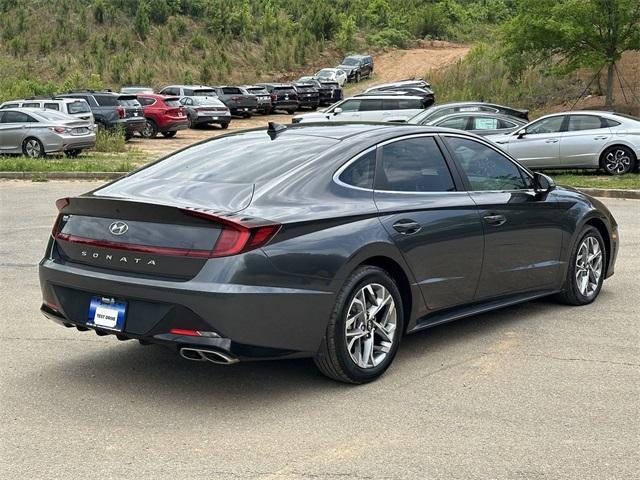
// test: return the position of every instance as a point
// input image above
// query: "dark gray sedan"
(324, 241)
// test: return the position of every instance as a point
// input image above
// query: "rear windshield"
(129, 103)
(106, 100)
(53, 115)
(78, 107)
(231, 90)
(203, 92)
(257, 91)
(284, 89)
(206, 101)
(630, 117)
(173, 102)
(331, 84)
(350, 61)
(243, 158)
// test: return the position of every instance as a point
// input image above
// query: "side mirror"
(521, 133)
(543, 183)
(337, 110)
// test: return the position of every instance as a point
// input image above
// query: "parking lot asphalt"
(536, 391)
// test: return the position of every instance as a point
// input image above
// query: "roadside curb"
(596, 192)
(611, 193)
(61, 175)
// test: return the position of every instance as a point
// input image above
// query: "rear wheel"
(586, 270)
(364, 329)
(32, 148)
(150, 129)
(169, 134)
(224, 126)
(192, 123)
(618, 160)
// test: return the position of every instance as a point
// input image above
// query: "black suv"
(308, 95)
(283, 97)
(112, 110)
(357, 66)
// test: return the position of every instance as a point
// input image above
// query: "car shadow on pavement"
(127, 369)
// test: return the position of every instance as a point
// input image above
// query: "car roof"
(188, 86)
(48, 99)
(385, 96)
(484, 114)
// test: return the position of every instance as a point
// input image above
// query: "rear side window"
(31, 105)
(78, 107)
(485, 168)
(52, 106)
(584, 122)
(360, 172)
(407, 103)
(506, 124)
(146, 101)
(172, 102)
(485, 123)
(414, 165)
(610, 123)
(106, 100)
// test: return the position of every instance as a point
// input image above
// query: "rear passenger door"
(432, 221)
(583, 141)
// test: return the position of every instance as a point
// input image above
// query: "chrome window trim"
(336, 175)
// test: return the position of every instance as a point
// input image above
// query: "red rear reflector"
(189, 333)
(52, 306)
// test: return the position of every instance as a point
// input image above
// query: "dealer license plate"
(107, 313)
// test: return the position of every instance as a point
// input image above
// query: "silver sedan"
(583, 139)
(36, 132)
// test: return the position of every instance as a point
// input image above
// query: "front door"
(523, 231)
(434, 224)
(540, 146)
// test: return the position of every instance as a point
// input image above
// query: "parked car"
(239, 101)
(75, 107)
(112, 111)
(325, 90)
(332, 75)
(188, 91)
(263, 97)
(283, 97)
(308, 95)
(426, 94)
(582, 139)
(401, 85)
(136, 89)
(437, 111)
(164, 115)
(357, 67)
(337, 93)
(382, 108)
(282, 243)
(37, 132)
(206, 110)
(480, 123)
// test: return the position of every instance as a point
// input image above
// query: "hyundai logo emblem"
(118, 228)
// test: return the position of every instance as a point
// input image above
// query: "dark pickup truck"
(308, 95)
(238, 100)
(283, 96)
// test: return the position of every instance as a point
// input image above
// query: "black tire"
(190, 121)
(169, 134)
(128, 136)
(150, 130)
(291, 112)
(618, 160)
(246, 115)
(32, 148)
(73, 153)
(357, 77)
(572, 294)
(333, 358)
(224, 126)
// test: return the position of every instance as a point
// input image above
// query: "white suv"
(76, 107)
(374, 108)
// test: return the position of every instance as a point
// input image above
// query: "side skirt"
(469, 310)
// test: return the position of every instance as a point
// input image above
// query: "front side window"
(360, 172)
(414, 165)
(350, 106)
(547, 125)
(485, 168)
(584, 122)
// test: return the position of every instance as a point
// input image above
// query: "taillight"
(59, 129)
(121, 112)
(274, 97)
(237, 236)
(61, 204)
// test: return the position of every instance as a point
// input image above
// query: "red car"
(164, 114)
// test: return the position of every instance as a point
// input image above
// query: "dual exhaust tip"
(213, 356)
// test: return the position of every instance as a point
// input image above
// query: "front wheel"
(586, 270)
(364, 329)
(224, 126)
(618, 160)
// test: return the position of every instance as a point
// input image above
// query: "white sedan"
(332, 75)
(581, 139)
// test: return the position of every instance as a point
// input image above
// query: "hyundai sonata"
(324, 241)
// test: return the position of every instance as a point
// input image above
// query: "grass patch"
(87, 162)
(110, 141)
(594, 179)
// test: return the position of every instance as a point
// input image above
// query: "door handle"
(600, 138)
(495, 220)
(406, 227)
(551, 140)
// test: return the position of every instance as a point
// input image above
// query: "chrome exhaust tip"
(213, 356)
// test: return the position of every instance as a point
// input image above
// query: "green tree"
(142, 23)
(345, 37)
(580, 33)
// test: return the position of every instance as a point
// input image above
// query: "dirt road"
(389, 66)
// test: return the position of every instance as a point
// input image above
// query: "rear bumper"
(252, 321)
(174, 126)
(309, 101)
(131, 125)
(203, 119)
(65, 143)
(286, 105)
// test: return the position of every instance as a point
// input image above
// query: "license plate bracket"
(107, 313)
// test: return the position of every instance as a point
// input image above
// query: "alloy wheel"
(147, 131)
(370, 328)
(617, 161)
(32, 148)
(589, 266)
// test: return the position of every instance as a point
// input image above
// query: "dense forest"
(47, 44)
